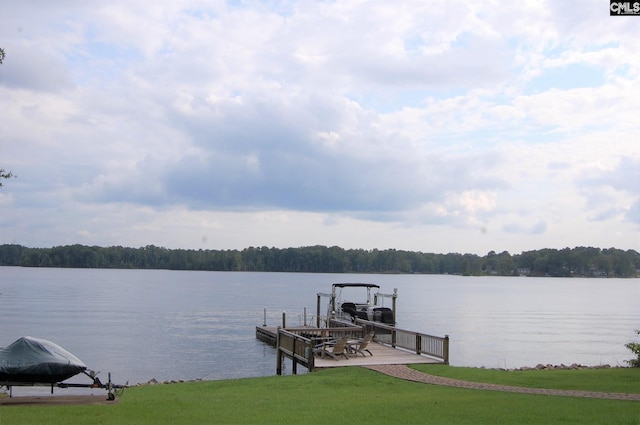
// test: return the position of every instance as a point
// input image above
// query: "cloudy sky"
(435, 126)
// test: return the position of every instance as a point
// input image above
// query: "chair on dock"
(362, 347)
(334, 349)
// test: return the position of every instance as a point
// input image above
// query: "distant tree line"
(580, 261)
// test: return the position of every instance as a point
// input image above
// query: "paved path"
(404, 372)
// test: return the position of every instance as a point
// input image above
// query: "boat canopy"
(38, 361)
(355, 285)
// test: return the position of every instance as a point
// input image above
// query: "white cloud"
(536, 228)
(359, 124)
(613, 193)
(25, 71)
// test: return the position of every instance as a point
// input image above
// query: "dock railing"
(295, 346)
(419, 343)
(299, 344)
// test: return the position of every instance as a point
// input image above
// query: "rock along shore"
(574, 366)
(539, 366)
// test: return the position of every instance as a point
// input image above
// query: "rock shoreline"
(154, 381)
(573, 366)
(539, 366)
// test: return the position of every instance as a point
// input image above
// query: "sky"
(432, 126)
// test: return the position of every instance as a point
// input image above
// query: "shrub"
(635, 349)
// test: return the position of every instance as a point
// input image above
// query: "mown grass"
(616, 380)
(349, 395)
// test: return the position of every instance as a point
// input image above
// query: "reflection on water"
(170, 325)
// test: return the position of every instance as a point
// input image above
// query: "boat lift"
(335, 309)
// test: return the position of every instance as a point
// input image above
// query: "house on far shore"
(524, 271)
(595, 272)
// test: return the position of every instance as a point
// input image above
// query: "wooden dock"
(268, 334)
(390, 346)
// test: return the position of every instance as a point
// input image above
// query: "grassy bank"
(613, 380)
(355, 395)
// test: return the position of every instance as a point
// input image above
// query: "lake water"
(170, 325)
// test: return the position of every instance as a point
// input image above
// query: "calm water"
(144, 324)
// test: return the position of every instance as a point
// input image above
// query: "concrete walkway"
(406, 373)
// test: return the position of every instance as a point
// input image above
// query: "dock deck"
(383, 354)
(268, 334)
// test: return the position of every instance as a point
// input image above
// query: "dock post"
(264, 319)
(446, 349)
(294, 366)
(393, 338)
(284, 319)
(279, 353)
(318, 312)
(333, 299)
(308, 351)
(393, 304)
(305, 317)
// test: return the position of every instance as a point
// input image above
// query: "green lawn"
(355, 396)
(616, 380)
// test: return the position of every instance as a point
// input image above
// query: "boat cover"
(34, 360)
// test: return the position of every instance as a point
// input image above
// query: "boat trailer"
(112, 389)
